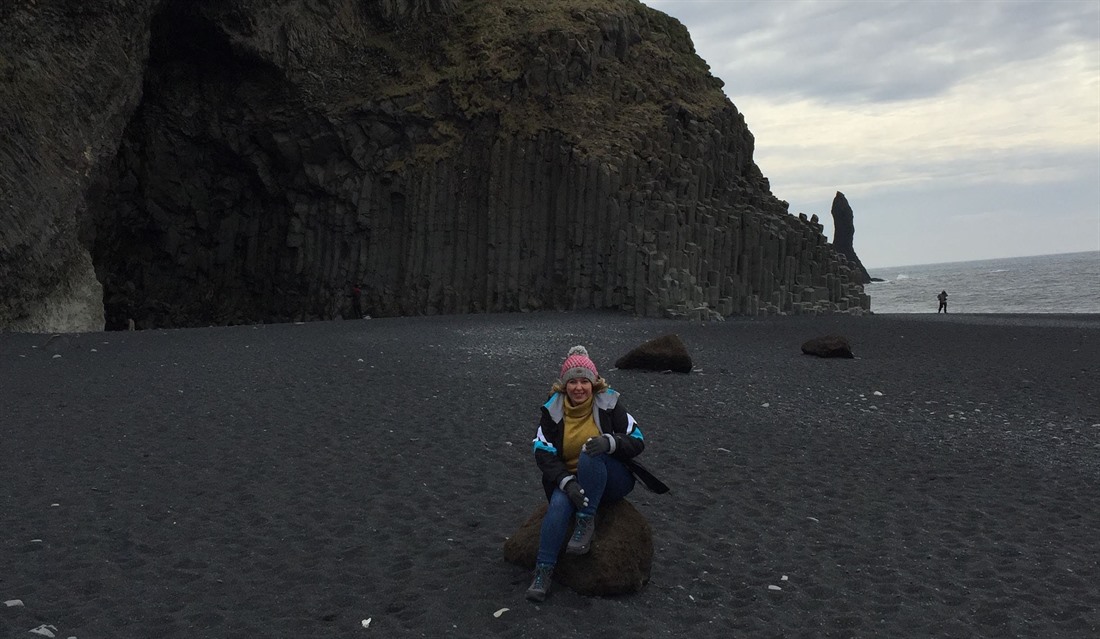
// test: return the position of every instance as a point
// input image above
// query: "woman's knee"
(586, 461)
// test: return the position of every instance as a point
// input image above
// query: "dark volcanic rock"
(185, 163)
(665, 353)
(844, 232)
(618, 563)
(828, 346)
(70, 78)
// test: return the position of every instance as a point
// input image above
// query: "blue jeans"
(604, 479)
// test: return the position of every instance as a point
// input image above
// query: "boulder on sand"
(828, 346)
(665, 353)
(618, 563)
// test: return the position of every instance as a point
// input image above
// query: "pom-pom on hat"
(577, 364)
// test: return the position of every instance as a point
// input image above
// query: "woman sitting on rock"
(583, 447)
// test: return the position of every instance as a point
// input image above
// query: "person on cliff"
(585, 447)
(942, 297)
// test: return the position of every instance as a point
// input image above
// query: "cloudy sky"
(958, 130)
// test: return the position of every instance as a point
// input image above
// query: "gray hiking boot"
(540, 584)
(583, 530)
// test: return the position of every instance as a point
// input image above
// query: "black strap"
(651, 482)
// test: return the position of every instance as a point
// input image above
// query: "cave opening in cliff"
(181, 34)
(181, 235)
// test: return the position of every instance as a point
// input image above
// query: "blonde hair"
(598, 386)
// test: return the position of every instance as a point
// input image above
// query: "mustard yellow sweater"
(579, 426)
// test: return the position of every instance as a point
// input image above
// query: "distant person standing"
(357, 301)
(942, 297)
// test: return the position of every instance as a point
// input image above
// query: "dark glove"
(576, 494)
(598, 445)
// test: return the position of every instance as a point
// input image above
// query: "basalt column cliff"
(185, 163)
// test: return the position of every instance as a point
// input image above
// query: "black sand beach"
(296, 480)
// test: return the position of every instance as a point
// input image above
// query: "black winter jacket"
(610, 416)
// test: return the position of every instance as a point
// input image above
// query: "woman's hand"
(576, 494)
(598, 445)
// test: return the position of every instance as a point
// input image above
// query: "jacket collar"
(605, 400)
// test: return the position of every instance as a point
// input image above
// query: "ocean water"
(1066, 283)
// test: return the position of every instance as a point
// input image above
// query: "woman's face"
(579, 389)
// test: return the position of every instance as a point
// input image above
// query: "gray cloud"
(884, 51)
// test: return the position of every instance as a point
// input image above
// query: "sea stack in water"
(844, 231)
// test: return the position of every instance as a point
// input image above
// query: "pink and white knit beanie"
(577, 364)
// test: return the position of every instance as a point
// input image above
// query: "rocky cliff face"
(70, 79)
(238, 161)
